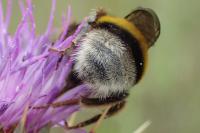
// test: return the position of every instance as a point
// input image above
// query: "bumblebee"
(111, 56)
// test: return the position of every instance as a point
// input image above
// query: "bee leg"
(62, 52)
(100, 120)
(72, 81)
(114, 98)
(59, 60)
(89, 102)
(111, 111)
(58, 104)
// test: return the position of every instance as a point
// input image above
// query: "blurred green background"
(169, 94)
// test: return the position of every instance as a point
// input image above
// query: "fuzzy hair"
(104, 62)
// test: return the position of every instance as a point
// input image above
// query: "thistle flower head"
(30, 74)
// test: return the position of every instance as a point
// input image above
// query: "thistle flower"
(30, 74)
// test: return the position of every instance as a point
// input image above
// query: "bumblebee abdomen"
(104, 62)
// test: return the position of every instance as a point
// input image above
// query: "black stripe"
(113, 98)
(130, 40)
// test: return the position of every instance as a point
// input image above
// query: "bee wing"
(147, 22)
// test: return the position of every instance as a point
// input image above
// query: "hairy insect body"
(105, 63)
